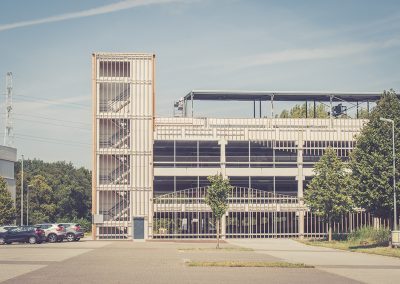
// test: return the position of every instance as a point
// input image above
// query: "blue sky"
(226, 44)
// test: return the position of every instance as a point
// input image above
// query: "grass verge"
(225, 249)
(246, 264)
(356, 247)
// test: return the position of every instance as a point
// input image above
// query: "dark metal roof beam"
(225, 95)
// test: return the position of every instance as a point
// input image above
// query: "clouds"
(122, 5)
(301, 54)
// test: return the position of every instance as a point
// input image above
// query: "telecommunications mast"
(9, 130)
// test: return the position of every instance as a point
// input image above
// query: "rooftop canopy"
(233, 95)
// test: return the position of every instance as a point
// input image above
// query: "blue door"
(138, 228)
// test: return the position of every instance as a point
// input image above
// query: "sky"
(342, 45)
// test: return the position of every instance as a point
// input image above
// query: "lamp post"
(394, 175)
(27, 205)
(22, 190)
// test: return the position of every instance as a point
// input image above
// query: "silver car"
(54, 232)
(74, 231)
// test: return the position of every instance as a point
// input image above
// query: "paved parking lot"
(142, 262)
(19, 259)
(366, 268)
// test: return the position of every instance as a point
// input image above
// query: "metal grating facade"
(150, 174)
(123, 111)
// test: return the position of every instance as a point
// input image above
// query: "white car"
(54, 232)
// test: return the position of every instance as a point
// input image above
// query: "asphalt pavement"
(145, 262)
(366, 268)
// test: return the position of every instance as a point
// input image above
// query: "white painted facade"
(137, 165)
(123, 112)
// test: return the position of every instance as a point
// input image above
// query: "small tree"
(327, 195)
(7, 209)
(217, 198)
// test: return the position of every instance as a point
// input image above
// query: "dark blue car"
(23, 234)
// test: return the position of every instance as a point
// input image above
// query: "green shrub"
(370, 235)
(339, 237)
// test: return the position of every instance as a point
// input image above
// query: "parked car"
(6, 228)
(54, 232)
(23, 234)
(74, 231)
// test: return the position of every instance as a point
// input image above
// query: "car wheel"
(2, 242)
(52, 238)
(70, 237)
(77, 239)
(32, 240)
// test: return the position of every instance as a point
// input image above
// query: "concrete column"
(300, 178)
(150, 220)
(301, 204)
(223, 143)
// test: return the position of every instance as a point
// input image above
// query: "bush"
(370, 235)
(339, 237)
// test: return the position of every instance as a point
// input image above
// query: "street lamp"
(394, 175)
(27, 205)
(22, 190)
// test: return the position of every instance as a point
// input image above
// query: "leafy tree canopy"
(7, 209)
(217, 195)
(300, 111)
(68, 188)
(321, 111)
(41, 200)
(371, 160)
(328, 195)
(217, 198)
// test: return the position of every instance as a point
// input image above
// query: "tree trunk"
(391, 226)
(217, 233)
(330, 231)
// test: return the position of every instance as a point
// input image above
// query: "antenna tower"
(9, 131)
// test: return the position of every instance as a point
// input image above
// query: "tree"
(7, 209)
(371, 160)
(300, 111)
(41, 202)
(327, 195)
(217, 198)
(70, 188)
(284, 114)
(363, 113)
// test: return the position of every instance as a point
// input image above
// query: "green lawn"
(356, 247)
(213, 249)
(246, 264)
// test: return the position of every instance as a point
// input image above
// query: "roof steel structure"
(239, 95)
(275, 96)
